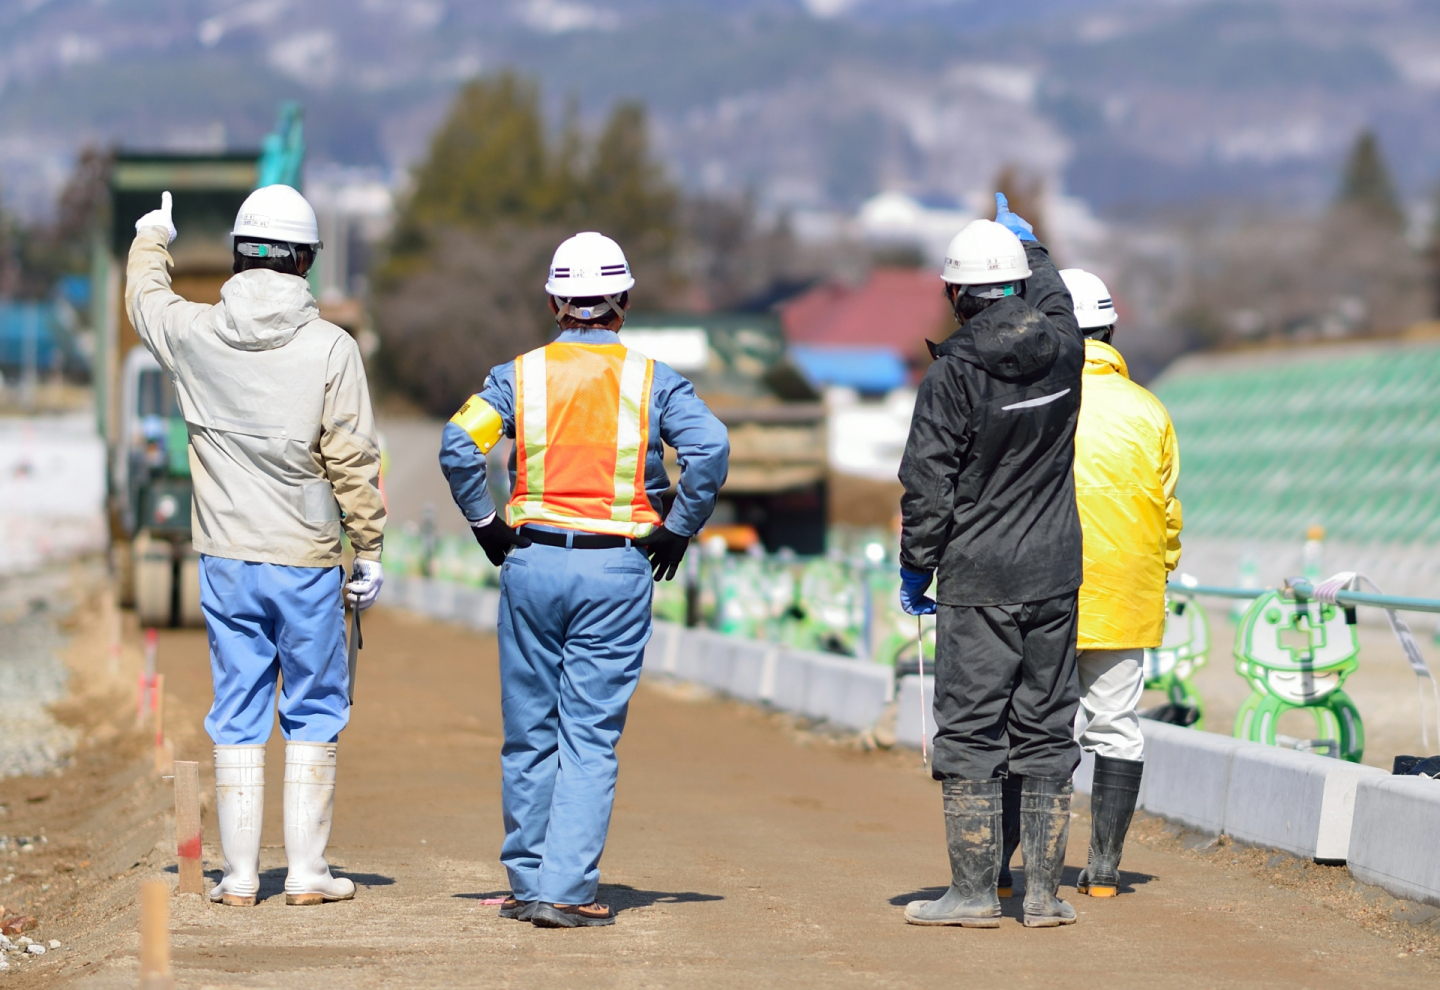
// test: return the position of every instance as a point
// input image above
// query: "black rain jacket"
(989, 466)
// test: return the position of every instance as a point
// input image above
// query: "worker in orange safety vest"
(582, 535)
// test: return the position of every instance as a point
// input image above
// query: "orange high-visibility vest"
(582, 429)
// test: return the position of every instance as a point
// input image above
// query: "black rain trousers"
(1006, 689)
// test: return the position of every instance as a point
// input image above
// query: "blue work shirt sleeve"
(701, 444)
(462, 462)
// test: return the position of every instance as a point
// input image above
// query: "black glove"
(496, 539)
(666, 549)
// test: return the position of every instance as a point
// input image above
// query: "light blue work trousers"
(573, 628)
(264, 620)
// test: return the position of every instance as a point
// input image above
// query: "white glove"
(159, 218)
(363, 590)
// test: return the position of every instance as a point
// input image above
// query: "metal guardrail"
(1214, 591)
(1302, 590)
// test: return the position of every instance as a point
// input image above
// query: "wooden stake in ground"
(155, 936)
(187, 827)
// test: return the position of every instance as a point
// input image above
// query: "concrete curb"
(1187, 775)
(477, 608)
(1259, 795)
(848, 693)
(1298, 802)
(907, 712)
(1392, 843)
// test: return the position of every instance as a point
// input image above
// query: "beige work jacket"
(283, 449)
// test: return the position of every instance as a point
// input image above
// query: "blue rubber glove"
(912, 592)
(1016, 225)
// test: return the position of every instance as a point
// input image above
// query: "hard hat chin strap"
(567, 307)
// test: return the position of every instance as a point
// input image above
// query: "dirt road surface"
(744, 852)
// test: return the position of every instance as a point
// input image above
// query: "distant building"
(776, 491)
(865, 346)
(925, 223)
(872, 337)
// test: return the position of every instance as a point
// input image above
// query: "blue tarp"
(873, 370)
(75, 290)
(22, 322)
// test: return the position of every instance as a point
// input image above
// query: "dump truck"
(776, 491)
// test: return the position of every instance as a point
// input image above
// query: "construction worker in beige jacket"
(283, 453)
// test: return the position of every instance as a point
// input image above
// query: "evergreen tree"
(1366, 184)
(489, 161)
(625, 187)
(460, 290)
(626, 196)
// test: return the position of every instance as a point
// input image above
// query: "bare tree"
(477, 302)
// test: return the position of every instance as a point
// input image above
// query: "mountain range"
(1132, 106)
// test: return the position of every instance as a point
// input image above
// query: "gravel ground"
(32, 675)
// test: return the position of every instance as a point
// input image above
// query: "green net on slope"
(1349, 441)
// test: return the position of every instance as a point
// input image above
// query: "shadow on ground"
(619, 896)
(272, 881)
(1128, 882)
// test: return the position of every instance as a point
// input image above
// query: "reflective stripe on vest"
(582, 427)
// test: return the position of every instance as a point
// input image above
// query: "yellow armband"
(480, 420)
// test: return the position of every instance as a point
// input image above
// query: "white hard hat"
(985, 253)
(588, 264)
(1093, 306)
(277, 213)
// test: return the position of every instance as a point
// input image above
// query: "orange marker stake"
(146, 700)
(158, 707)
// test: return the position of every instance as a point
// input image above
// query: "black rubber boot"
(1010, 801)
(1044, 830)
(1112, 805)
(972, 832)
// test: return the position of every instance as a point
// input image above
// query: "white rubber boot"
(309, 805)
(240, 808)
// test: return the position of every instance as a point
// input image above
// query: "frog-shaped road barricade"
(1183, 650)
(1296, 655)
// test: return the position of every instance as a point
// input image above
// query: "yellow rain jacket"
(1126, 464)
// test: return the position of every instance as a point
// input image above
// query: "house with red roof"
(869, 337)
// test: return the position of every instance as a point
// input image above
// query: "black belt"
(575, 541)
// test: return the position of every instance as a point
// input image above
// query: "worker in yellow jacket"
(1127, 462)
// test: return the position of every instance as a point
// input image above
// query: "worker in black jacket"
(989, 504)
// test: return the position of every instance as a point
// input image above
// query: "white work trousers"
(1111, 682)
